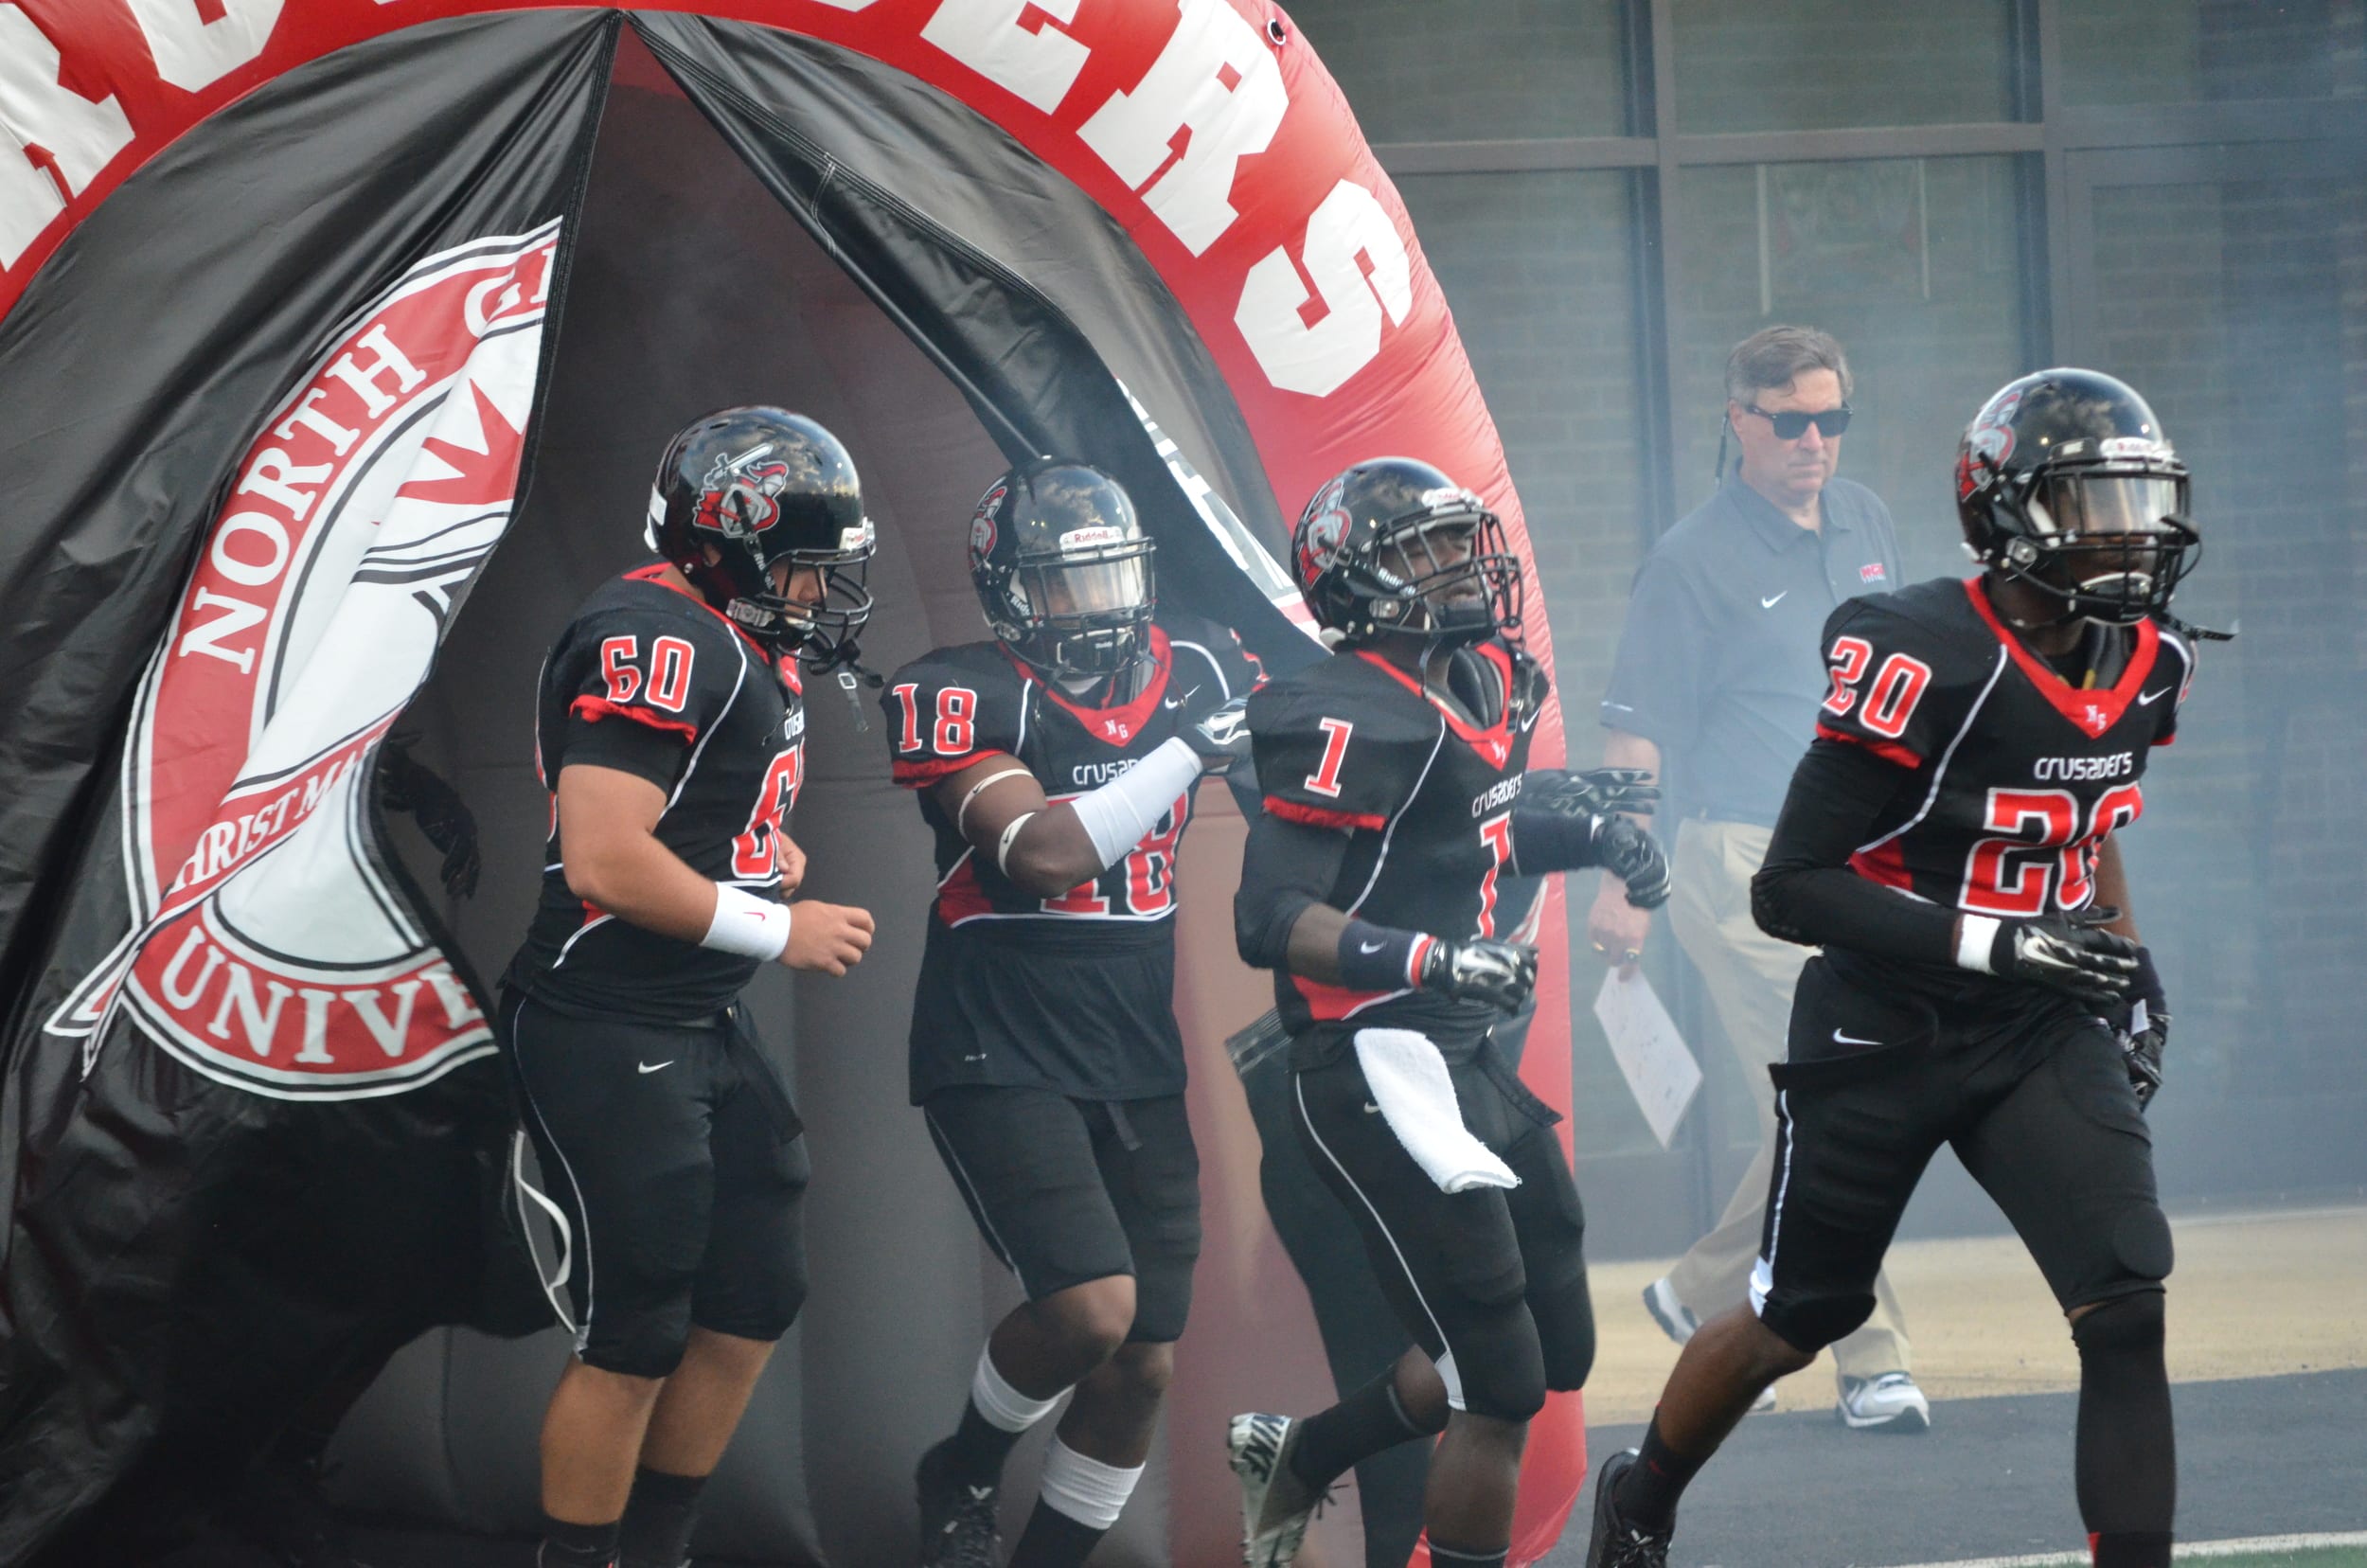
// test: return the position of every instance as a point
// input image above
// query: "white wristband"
(745, 924)
(1117, 815)
(1010, 836)
(1976, 935)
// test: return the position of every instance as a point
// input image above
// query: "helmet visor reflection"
(1091, 588)
(2095, 505)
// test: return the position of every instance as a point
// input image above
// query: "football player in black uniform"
(1951, 841)
(1056, 766)
(1396, 795)
(670, 732)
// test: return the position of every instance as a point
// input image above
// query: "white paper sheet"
(1661, 1070)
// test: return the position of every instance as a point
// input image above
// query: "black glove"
(2072, 953)
(1222, 735)
(1597, 792)
(1632, 855)
(2146, 1031)
(1481, 968)
(405, 785)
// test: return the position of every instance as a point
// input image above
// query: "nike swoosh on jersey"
(1370, 947)
(1770, 603)
(649, 1067)
(2152, 696)
(1841, 1039)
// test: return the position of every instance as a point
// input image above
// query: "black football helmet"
(759, 485)
(2066, 481)
(1373, 555)
(1063, 568)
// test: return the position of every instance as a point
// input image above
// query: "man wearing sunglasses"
(1716, 682)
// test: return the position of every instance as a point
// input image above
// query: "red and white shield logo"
(269, 949)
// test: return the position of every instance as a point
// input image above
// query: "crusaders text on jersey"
(1074, 992)
(1358, 744)
(2013, 774)
(651, 680)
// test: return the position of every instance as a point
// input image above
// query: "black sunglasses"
(1792, 425)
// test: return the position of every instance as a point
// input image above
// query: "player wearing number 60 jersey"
(1952, 842)
(670, 733)
(1056, 766)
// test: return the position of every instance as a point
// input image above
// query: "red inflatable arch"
(335, 339)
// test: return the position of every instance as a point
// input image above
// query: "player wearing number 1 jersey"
(670, 732)
(1055, 767)
(1397, 797)
(1952, 842)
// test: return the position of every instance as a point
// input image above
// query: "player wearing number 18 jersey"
(1952, 842)
(1055, 767)
(1396, 799)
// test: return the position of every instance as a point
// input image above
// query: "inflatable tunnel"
(337, 344)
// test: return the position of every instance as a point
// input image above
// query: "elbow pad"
(1262, 925)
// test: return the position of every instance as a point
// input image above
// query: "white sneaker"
(1675, 1318)
(1891, 1403)
(1765, 1402)
(1275, 1506)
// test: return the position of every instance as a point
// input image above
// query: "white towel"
(1409, 1082)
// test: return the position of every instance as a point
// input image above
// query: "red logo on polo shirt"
(1872, 571)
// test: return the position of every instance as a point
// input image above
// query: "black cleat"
(957, 1518)
(1614, 1542)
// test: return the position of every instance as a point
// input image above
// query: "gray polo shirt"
(1719, 663)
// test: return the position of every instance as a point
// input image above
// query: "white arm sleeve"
(1117, 815)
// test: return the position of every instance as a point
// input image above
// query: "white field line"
(2184, 1550)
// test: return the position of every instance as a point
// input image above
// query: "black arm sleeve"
(1286, 866)
(1806, 891)
(1545, 841)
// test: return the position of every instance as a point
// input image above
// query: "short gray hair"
(1775, 356)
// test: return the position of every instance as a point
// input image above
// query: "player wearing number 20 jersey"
(1952, 842)
(2011, 775)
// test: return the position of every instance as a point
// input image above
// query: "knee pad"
(2131, 1325)
(1498, 1368)
(1809, 1323)
(637, 1342)
(2141, 1245)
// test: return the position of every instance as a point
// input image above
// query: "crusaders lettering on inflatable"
(269, 949)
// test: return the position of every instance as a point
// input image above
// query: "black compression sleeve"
(1544, 841)
(1286, 866)
(1806, 891)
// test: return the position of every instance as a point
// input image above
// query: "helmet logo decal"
(982, 523)
(1990, 440)
(735, 498)
(1326, 529)
(1098, 533)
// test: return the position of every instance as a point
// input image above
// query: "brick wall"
(1420, 70)
(1805, 65)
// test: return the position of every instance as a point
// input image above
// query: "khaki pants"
(1750, 976)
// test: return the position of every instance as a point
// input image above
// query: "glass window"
(2208, 51)
(1815, 65)
(1478, 70)
(1540, 271)
(1912, 264)
(2227, 300)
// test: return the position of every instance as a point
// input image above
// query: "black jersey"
(1358, 744)
(648, 680)
(2015, 775)
(1074, 992)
